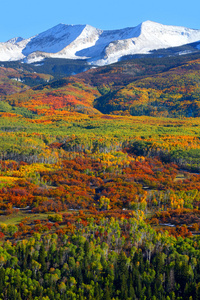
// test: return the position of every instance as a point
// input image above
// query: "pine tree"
(41, 258)
(106, 294)
(131, 290)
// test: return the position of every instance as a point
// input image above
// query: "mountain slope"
(58, 97)
(172, 93)
(99, 47)
(13, 80)
(148, 86)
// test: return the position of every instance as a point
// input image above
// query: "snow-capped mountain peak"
(97, 46)
(15, 40)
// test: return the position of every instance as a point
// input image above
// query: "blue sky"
(27, 18)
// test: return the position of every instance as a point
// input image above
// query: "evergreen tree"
(41, 258)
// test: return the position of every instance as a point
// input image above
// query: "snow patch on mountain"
(54, 39)
(185, 52)
(12, 50)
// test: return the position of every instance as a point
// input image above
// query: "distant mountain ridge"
(96, 46)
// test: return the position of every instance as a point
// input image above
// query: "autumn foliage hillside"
(69, 94)
(172, 93)
(166, 87)
(13, 80)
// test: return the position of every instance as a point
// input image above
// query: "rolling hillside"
(146, 86)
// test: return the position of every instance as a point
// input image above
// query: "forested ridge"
(100, 183)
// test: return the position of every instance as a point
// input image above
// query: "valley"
(100, 177)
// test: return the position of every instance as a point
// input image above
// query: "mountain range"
(99, 47)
